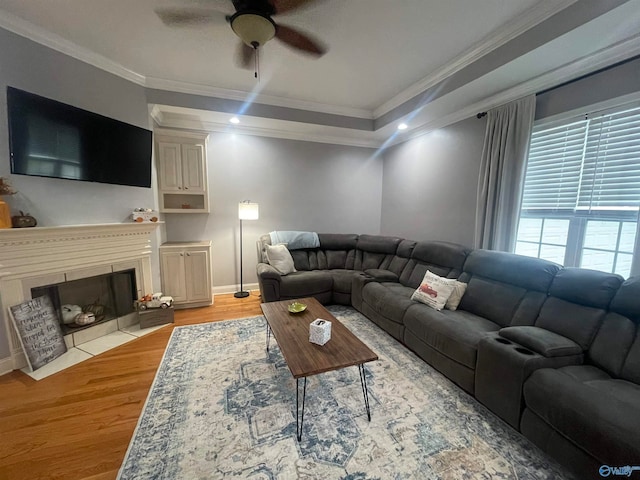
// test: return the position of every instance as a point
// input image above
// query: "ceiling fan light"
(253, 29)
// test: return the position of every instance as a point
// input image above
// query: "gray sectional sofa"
(553, 351)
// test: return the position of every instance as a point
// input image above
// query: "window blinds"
(589, 164)
(611, 173)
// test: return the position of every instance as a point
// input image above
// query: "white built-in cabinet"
(185, 269)
(182, 171)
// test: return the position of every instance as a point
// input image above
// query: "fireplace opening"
(93, 299)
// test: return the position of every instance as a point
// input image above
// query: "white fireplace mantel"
(31, 257)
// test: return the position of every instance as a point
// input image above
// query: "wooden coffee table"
(291, 331)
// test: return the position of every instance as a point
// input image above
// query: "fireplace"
(106, 297)
(103, 264)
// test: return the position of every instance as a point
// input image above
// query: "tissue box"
(320, 331)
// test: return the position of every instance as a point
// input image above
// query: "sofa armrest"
(380, 275)
(546, 343)
(269, 282)
(268, 271)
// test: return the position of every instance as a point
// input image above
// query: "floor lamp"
(246, 211)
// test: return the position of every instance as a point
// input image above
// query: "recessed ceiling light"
(402, 126)
(235, 120)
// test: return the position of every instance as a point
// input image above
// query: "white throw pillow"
(280, 258)
(456, 296)
(434, 290)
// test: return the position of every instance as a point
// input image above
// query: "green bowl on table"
(296, 307)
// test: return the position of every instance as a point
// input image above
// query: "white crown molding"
(39, 35)
(602, 58)
(287, 130)
(228, 94)
(499, 37)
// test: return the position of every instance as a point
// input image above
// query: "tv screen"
(52, 139)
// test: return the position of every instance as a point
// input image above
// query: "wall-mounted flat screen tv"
(51, 139)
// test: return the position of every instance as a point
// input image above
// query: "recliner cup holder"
(503, 341)
(524, 351)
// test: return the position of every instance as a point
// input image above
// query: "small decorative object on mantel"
(5, 211)
(320, 331)
(140, 215)
(22, 220)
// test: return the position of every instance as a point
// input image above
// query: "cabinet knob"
(182, 254)
(179, 188)
(186, 188)
(188, 254)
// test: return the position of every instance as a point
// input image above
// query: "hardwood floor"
(77, 424)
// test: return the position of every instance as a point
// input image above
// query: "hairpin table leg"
(363, 383)
(268, 335)
(300, 413)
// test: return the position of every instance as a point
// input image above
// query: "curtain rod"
(483, 114)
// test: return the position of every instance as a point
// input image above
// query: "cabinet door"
(169, 166)
(197, 275)
(193, 169)
(173, 278)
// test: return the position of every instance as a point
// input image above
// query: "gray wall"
(618, 81)
(298, 185)
(430, 183)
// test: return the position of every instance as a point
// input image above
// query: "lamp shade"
(248, 211)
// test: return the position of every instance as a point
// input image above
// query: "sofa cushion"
(598, 414)
(442, 258)
(544, 342)
(280, 258)
(338, 241)
(380, 275)
(389, 299)
(590, 288)
(577, 303)
(342, 279)
(525, 272)
(455, 334)
(516, 285)
(612, 343)
(496, 301)
(305, 284)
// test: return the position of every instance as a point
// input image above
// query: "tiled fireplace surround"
(34, 257)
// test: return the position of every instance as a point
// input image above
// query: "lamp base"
(241, 294)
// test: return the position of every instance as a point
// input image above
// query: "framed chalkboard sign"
(39, 330)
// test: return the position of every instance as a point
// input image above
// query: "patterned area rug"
(220, 406)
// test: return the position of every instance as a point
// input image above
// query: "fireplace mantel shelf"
(13, 235)
(39, 250)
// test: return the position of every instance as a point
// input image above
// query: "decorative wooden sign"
(39, 330)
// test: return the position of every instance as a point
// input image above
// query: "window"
(581, 196)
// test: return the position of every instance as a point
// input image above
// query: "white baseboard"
(6, 365)
(234, 288)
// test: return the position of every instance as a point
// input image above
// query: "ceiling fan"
(251, 22)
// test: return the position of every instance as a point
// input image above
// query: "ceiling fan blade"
(282, 6)
(299, 41)
(187, 17)
(245, 56)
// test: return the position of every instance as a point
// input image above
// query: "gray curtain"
(504, 158)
